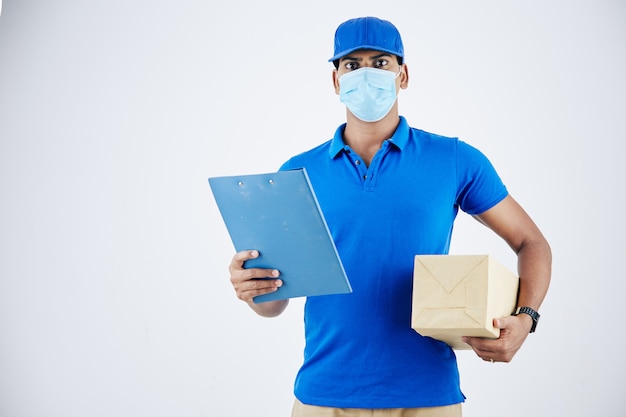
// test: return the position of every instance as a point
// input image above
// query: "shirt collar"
(399, 139)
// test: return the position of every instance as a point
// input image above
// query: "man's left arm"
(509, 220)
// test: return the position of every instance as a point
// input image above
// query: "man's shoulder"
(438, 141)
(425, 141)
(320, 151)
(427, 135)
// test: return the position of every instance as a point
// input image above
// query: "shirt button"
(357, 162)
(364, 177)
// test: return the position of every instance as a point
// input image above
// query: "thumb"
(501, 323)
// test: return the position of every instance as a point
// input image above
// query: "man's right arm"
(247, 284)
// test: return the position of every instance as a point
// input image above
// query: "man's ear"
(336, 81)
(404, 77)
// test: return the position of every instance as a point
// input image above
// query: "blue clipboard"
(278, 214)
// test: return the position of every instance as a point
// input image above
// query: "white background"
(114, 292)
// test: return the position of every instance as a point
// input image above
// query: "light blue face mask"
(369, 93)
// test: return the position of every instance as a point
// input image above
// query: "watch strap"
(532, 313)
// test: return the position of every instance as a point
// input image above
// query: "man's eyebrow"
(371, 58)
(380, 56)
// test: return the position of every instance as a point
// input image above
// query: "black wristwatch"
(532, 313)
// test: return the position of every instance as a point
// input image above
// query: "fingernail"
(275, 273)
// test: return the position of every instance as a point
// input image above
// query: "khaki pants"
(303, 410)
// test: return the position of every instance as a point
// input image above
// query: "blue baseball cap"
(367, 33)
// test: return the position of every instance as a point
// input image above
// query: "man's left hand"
(513, 333)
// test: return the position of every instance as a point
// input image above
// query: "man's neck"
(366, 138)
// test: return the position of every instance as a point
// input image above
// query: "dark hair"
(336, 61)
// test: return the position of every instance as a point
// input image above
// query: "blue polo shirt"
(361, 351)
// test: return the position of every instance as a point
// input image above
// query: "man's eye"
(352, 66)
(380, 63)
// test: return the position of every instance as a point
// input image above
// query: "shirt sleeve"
(479, 185)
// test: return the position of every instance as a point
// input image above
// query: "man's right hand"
(250, 282)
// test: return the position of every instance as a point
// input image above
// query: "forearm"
(269, 308)
(534, 268)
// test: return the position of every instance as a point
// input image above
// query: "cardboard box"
(460, 295)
